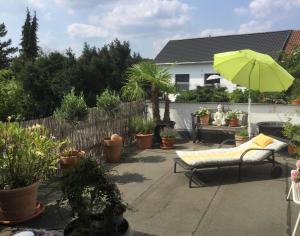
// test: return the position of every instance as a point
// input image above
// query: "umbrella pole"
(249, 112)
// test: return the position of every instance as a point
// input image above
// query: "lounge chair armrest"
(226, 141)
(256, 149)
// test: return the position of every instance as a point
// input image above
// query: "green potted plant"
(143, 129)
(232, 117)
(26, 157)
(241, 137)
(69, 157)
(95, 200)
(292, 132)
(203, 114)
(109, 102)
(168, 138)
(73, 109)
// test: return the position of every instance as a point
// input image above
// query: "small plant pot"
(233, 122)
(167, 143)
(19, 204)
(295, 102)
(291, 149)
(69, 159)
(204, 120)
(112, 150)
(144, 141)
(240, 140)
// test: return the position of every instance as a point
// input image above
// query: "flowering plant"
(26, 154)
(295, 174)
(203, 111)
(231, 115)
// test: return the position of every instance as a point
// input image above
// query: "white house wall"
(196, 72)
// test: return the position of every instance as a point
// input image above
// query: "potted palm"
(143, 128)
(232, 117)
(168, 138)
(241, 137)
(203, 114)
(26, 157)
(95, 200)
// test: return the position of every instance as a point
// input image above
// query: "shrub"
(21, 162)
(91, 193)
(203, 94)
(139, 125)
(73, 108)
(109, 102)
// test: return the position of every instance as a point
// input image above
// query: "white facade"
(196, 73)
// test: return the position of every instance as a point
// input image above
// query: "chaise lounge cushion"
(229, 155)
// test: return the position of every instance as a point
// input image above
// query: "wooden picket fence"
(88, 135)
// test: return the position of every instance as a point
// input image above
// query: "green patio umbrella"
(254, 71)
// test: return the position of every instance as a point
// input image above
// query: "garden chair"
(258, 150)
(296, 199)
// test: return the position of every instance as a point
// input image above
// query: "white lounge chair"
(245, 154)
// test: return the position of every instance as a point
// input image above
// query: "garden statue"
(219, 117)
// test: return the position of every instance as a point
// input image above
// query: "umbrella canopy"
(213, 77)
(254, 71)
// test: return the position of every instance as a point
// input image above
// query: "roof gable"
(203, 49)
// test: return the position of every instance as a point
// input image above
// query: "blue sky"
(146, 24)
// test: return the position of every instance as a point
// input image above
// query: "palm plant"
(147, 73)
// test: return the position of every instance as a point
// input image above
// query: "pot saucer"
(166, 148)
(39, 209)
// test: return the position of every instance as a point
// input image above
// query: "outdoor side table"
(296, 199)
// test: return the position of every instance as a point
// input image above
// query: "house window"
(182, 81)
(210, 82)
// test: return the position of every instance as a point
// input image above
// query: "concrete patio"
(163, 204)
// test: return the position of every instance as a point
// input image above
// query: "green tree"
(29, 37)
(147, 72)
(5, 49)
(33, 39)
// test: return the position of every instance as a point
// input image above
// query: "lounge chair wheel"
(276, 171)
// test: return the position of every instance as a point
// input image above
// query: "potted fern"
(143, 129)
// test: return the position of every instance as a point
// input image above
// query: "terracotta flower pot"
(291, 149)
(70, 158)
(167, 143)
(204, 120)
(112, 150)
(295, 102)
(240, 140)
(144, 141)
(19, 204)
(233, 122)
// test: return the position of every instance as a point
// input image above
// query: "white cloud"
(86, 31)
(39, 4)
(249, 27)
(263, 8)
(131, 18)
(255, 26)
(241, 11)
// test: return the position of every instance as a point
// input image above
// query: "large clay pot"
(204, 120)
(70, 158)
(295, 102)
(233, 122)
(19, 204)
(291, 149)
(240, 140)
(112, 150)
(144, 141)
(167, 143)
